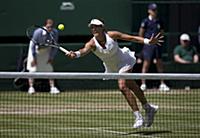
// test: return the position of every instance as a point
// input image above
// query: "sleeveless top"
(113, 57)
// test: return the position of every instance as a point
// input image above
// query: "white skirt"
(124, 66)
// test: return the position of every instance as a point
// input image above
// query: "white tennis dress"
(114, 58)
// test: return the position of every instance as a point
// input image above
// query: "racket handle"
(64, 50)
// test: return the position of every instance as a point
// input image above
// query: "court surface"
(96, 113)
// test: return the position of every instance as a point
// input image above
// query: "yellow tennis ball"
(61, 27)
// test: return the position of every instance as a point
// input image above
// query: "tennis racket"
(52, 43)
(20, 82)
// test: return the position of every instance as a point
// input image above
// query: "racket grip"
(64, 50)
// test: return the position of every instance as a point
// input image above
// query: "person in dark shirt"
(152, 25)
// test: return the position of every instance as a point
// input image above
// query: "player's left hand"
(158, 39)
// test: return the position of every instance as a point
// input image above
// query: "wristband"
(78, 54)
(146, 41)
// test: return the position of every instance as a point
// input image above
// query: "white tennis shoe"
(54, 90)
(31, 90)
(143, 87)
(150, 111)
(138, 123)
(163, 87)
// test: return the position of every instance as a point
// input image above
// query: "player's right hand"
(71, 54)
(33, 63)
(158, 39)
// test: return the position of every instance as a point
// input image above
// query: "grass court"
(96, 113)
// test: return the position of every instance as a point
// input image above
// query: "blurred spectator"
(199, 35)
(185, 52)
(40, 59)
(152, 25)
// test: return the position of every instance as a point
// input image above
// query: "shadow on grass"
(152, 132)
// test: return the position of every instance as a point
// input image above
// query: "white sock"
(52, 87)
(137, 114)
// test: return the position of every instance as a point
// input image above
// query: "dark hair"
(48, 21)
(102, 20)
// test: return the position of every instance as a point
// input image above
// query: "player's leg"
(53, 88)
(131, 84)
(31, 68)
(130, 98)
(128, 94)
(45, 66)
(31, 89)
(150, 109)
(159, 66)
(145, 69)
(148, 52)
(124, 86)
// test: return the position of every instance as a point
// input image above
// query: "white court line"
(38, 111)
(94, 129)
(54, 111)
(98, 129)
(9, 130)
(127, 134)
(103, 129)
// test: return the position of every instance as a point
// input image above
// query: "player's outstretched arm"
(138, 39)
(81, 52)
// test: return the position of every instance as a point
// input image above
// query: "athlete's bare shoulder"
(91, 44)
(114, 34)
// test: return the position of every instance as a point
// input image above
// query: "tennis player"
(40, 58)
(104, 45)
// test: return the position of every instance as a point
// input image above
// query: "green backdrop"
(17, 15)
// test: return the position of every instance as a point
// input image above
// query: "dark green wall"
(17, 15)
(10, 54)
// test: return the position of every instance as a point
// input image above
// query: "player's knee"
(122, 87)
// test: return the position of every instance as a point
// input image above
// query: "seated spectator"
(185, 53)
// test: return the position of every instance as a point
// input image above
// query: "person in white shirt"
(40, 58)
